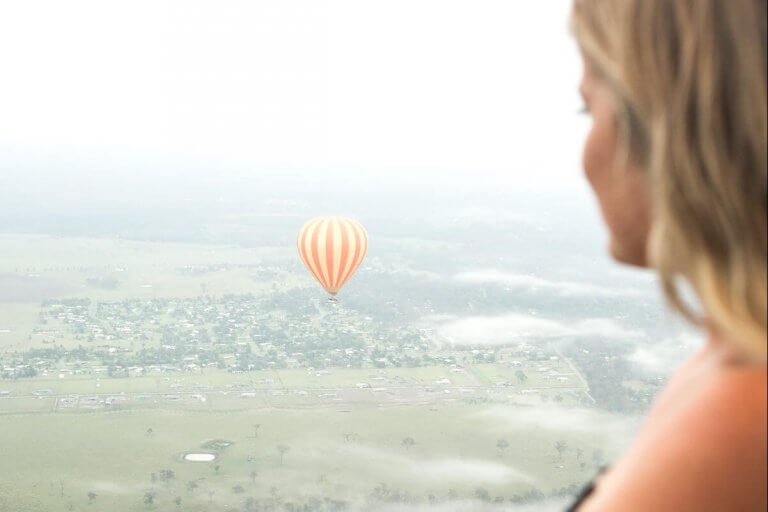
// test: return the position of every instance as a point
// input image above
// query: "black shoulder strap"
(585, 491)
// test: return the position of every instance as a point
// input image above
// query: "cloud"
(434, 319)
(612, 427)
(462, 470)
(406, 468)
(533, 284)
(665, 356)
(513, 327)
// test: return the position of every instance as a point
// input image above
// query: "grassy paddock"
(343, 455)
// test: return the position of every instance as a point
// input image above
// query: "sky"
(419, 89)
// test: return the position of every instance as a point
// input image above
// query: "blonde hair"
(689, 82)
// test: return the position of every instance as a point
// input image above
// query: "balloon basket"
(332, 300)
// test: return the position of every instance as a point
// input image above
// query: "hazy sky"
(434, 85)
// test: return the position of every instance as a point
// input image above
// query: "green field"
(73, 430)
(34, 267)
(113, 456)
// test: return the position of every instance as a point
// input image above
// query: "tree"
(408, 443)
(217, 468)
(521, 377)
(579, 453)
(211, 492)
(177, 501)
(253, 476)
(91, 497)
(191, 486)
(282, 449)
(149, 431)
(238, 489)
(256, 427)
(149, 499)
(482, 494)
(561, 447)
(250, 504)
(502, 445)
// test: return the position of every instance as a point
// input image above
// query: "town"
(247, 334)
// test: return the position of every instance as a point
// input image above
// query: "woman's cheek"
(588, 157)
(595, 160)
(598, 161)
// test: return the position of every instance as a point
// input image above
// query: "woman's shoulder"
(726, 391)
(726, 418)
(703, 448)
(710, 398)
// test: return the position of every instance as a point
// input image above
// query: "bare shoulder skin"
(702, 447)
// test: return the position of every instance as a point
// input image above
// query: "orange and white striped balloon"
(332, 248)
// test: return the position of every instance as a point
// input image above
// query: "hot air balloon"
(332, 248)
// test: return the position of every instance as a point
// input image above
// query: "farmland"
(119, 358)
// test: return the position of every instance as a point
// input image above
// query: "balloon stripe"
(352, 245)
(356, 258)
(363, 244)
(329, 252)
(302, 243)
(322, 241)
(315, 248)
(344, 253)
(310, 261)
(306, 251)
(337, 248)
(365, 241)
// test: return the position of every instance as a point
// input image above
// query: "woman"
(676, 156)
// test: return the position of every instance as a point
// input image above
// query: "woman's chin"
(628, 254)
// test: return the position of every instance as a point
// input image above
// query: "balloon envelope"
(332, 248)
